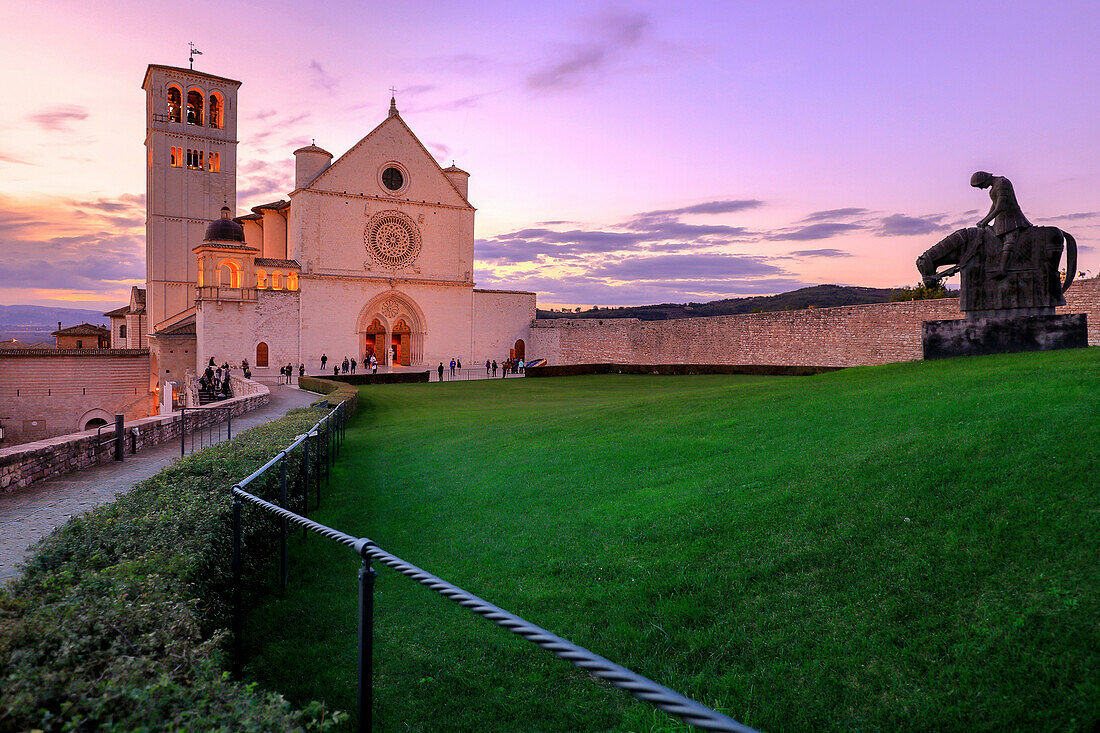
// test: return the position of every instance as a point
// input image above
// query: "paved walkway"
(28, 514)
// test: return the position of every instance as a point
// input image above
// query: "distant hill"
(817, 296)
(31, 323)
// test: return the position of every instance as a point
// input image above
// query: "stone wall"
(230, 332)
(48, 392)
(853, 335)
(25, 464)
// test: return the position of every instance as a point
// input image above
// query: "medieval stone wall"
(501, 317)
(25, 464)
(48, 392)
(230, 332)
(853, 335)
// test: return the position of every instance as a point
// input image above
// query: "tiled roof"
(273, 206)
(248, 217)
(84, 329)
(118, 311)
(272, 262)
(185, 327)
(226, 246)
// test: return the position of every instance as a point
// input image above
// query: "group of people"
(216, 378)
(288, 372)
(347, 366)
(506, 367)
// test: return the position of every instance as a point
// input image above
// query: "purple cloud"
(901, 225)
(821, 253)
(833, 214)
(616, 31)
(824, 230)
(59, 117)
(321, 78)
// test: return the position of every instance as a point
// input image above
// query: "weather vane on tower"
(194, 52)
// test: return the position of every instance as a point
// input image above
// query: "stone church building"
(371, 253)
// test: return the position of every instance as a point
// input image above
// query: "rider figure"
(1006, 210)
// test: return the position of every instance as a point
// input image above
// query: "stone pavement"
(32, 513)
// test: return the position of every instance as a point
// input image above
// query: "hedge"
(573, 370)
(335, 391)
(119, 621)
(368, 378)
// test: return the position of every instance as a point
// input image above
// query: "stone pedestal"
(993, 335)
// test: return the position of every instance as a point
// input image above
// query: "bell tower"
(190, 174)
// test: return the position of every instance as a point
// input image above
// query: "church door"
(400, 341)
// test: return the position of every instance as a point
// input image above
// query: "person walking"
(486, 368)
(494, 367)
(301, 370)
(373, 364)
(440, 371)
(324, 360)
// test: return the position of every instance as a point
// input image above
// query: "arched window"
(194, 107)
(175, 104)
(292, 281)
(216, 120)
(276, 280)
(229, 274)
(94, 423)
(122, 331)
(261, 354)
(261, 279)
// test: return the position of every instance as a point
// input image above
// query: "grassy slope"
(906, 547)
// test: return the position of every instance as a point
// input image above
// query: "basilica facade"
(370, 254)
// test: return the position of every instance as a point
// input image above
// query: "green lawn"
(909, 547)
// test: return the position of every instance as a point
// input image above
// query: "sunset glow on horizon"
(619, 154)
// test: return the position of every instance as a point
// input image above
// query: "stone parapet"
(25, 464)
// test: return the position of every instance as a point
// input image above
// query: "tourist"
(520, 366)
(353, 363)
(504, 368)
(486, 368)
(373, 363)
(335, 370)
(345, 364)
(452, 368)
(301, 370)
(459, 364)
(440, 371)
(289, 372)
(324, 360)
(494, 367)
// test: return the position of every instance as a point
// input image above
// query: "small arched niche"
(194, 107)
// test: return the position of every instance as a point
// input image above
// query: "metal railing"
(471, 373)
(206, 429)
(329, 435)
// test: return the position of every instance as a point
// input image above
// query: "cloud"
(467, 102)
(821, 253)
(823, 230)
(1080, 216)
(6, 158)
(614, 32)
(901, 225)
(322, 79)
(58, 249)
(833, 214)
(59, 117)
(677, 267)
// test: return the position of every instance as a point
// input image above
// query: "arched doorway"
(395, 325)
(374, 342)
(519, 350)
(401, 343)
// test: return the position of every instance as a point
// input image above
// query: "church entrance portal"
(391, 327)
(374, 342)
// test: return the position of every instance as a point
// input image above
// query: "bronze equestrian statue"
(1009, 271)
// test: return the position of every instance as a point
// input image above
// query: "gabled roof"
(84, 329)
(124, 310)
(394, 115)
(248, 217)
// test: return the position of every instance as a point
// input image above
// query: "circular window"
(392, 240)
(392, 179)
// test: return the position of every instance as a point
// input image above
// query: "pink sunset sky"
(620, 153)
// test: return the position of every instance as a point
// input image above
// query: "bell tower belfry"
(190, 174)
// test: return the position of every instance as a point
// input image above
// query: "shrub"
(119, 620)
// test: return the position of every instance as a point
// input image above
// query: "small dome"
(224, 229)
(452, 168)
(312, 148)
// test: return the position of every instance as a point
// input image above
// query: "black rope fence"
(330, 433)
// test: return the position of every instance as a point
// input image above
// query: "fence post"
(366, 643)
(120, 438)
(183, 431)
(305, 480)
(229, 425)
(238, 620)
(283, 523)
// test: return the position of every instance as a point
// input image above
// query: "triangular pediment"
(359, 170)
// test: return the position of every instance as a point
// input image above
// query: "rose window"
(392, 239)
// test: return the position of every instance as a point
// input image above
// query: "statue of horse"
(1029, 285)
